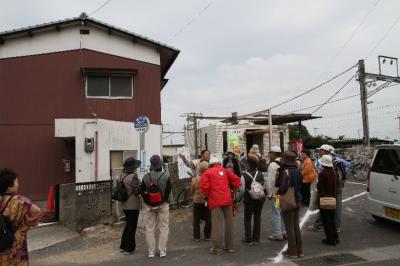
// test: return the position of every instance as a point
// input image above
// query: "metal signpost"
(142, 124)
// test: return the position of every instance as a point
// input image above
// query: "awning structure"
(286, 119)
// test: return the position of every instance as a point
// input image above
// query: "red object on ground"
(50, 200)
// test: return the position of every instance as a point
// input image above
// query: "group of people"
(151, 195)
(287, 181)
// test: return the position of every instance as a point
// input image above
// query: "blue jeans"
(338, 212)
(278, 228)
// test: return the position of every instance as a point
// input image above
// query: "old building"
(70, 91)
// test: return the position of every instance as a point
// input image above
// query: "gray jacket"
(134, 202)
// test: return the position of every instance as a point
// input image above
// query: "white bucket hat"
(276, 149)
(214, 160)
(327, 148)
(326, 160)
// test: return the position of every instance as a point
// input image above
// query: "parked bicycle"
(360, 167)
(184, 199)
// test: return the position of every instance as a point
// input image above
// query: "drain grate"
(337, 259)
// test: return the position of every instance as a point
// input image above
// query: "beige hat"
(326, 160)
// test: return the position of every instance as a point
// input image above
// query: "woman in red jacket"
(216, 184)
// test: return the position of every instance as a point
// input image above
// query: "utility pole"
(270, 128)
(363, 98)
(398, 118)
(362, 76)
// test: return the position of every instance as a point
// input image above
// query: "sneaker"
(215, 252)
(256, 242)
(196, 239)
(248, 243)
(207, 239)
(338, 230)
(151, 255)
(287, 255)
(128, 252)
(301, 255)
(275, 238)
(231, 251)
(163, 254)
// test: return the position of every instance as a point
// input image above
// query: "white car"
(384, 183)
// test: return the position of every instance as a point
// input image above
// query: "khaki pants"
(161, 219)
(218, 217)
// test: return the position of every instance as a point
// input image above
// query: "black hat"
(289, 158)
(131, 164)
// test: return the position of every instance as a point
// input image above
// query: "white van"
(384, 183)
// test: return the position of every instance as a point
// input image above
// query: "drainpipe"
(96, 145)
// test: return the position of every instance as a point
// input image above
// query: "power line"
(314, 88)
(316, 105)
(384, 36)
(100, 7)
(364, 19)
(190, 21)
(336, 93)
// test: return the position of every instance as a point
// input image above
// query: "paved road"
(361, 238)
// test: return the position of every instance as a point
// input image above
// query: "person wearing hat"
(290, 176)
(131, 206)
(200, 210)
(278, 232)
(216, 184)
(156, 214)
(327, 188)
(252, 207)
(232, 163)
(340, 168)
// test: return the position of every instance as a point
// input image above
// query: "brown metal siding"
(34, 90)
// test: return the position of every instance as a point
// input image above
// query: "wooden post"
(270, 128)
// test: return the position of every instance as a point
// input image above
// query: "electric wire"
(190, 22)
(353, 34)
(384, 36)
(313, 88)
(100, 7)
(333, 96)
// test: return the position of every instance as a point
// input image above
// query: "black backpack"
(6, 230)
(120, 193)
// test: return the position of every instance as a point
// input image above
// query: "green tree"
(310, 142)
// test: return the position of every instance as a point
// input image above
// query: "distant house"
(69, 91)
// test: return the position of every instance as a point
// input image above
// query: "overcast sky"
(246, 56)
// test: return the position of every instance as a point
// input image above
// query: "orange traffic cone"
(50, 200)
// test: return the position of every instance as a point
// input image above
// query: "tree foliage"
(310, 142)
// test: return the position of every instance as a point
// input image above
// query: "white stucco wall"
(215, 139)
(112, 135)
(69, 38)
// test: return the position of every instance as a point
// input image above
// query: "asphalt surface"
(361, 236)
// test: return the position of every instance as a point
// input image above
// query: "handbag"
(287, 200)
(327, 203)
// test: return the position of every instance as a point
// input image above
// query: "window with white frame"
(109, 86)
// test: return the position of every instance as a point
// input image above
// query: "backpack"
(121, 193)
(6, 230)
(340, 173)
(256, 189)
(153, 194)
